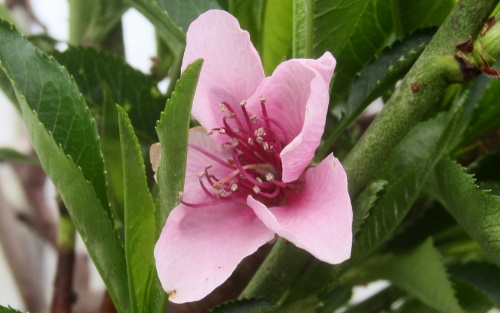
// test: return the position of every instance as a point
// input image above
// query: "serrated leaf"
(406, 171)
(183, 12)
(140, 232)
(484, 276)
(173, 131)
(379, 75)
(354, 32)
(365, 202)
(422, 274)
(277, 33)
(477, 211)
(472, 299)
(11, 155)
(414, 14)
(242, 306)
(8, 310)
(65, 138)
(172, 35)
(97, 72)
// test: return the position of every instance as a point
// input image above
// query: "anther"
(243, 103)
(222, 107)
(262, 99)
(234, 142)
(265, 146)
(234, 187)
(209, 166)
(222, 131)
(236, 131)
(256, 189)
(181, 195)
(222, 192)
(239, 152)
(210, 132)
(260, 132)
(254, 118)
(258, 179)
(217, 185)
(259, 140)
(231, 115)
(230, 161)
(201, 174)
(250, 141)
(269, 176)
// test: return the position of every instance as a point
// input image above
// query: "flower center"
(255, 165)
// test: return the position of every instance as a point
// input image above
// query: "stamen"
(222, 107)
(259, 179)
(243, 103)
(271, 195)
(256, 189)
(181, 195)
(234, 142)
(222, 131)
(201, 174)
(254, 118)
(264, 111)
(260, 132)
(231, 115)
(269, 176)
(210, 132)
(259, 139)
(262, 99)
(250, 141)
(234, 187)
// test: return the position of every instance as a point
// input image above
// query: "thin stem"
(63, 299)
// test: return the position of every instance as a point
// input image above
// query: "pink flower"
(249, 178)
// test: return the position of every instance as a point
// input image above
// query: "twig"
(64, 297)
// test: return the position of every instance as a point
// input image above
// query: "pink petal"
(199, 248)
(319, 217)
(197, 161)
(297, 97)
(232, 69)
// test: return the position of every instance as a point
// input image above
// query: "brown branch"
(64, 297)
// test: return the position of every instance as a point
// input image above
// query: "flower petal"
(199, 248)
(232, 69)
(198, 161)
(297, 98)
(319, 217)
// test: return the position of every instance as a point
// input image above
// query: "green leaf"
(11, 155)
(250, 15)
(422, 274)
(484, 276)
(97, 72)
(173, 36)
(65, 138)
(472, 299)
(140, 232)
(486, 113)
(365, 202)
(477, 211)
(379, 75)
(354, 32)
(277, 33)
(302, 28)
(183, 12)
(173, 131)
(335, 299)
(242, 306)
(406, 171)
(414, 14)
(8, 310)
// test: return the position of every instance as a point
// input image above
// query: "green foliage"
(250, 15)
(277, 34)
(140, 233)
(65, 138)
(8, 310)
(474, 209)
(11, 155)
(410, 15)
(422, 274)
(377, 76)
(354, 32)
(97, 73)
(173, 131)
(406, 171)
(243, 306)
(183, 12)
(472, 299)
(482, 275)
